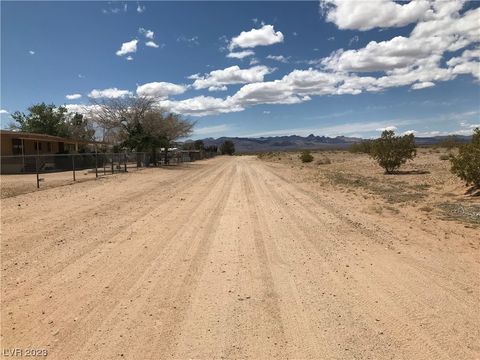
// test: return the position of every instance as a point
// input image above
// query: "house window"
(17, 146)
(49, 147)
(38, 146)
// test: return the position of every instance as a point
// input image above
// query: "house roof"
(45, 137)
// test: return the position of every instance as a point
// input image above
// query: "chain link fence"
(21, 172)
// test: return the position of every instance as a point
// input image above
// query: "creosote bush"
(466, 164)
(306, 156)
(450, 142)
(392, 151)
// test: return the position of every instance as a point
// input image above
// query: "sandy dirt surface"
(234, 258)
(16, 184)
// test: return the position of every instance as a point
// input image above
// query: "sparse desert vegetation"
(425, 183)
(392, 151)
(466, 164)
(306, 156)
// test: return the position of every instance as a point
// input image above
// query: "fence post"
(125, 164)
(113, 169)
(73, 166)
(36, 170)
(96, 163)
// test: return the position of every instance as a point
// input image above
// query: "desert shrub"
(466, 164)
(444, 157)
(306, 156)
(392, 151)
(364, 146)
(264, 155)
(450, 142)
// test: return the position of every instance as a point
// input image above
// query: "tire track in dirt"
(397, 298)
(314, 275)
(76, 211)
(371, 231)
(181, 242)
(230, 261)
(94, 262)
(313, 206)
(81, 232)
(270, 312)
(299, 338)
(323, 205)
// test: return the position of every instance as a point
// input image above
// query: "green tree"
(122, 120)
(199, 145)
(78, 127)
(392, 151)
(227, 148)
(172, 128)
(466, 164)
(42, 119)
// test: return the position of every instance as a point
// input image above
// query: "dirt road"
(228, 258)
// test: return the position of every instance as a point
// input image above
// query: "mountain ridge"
(312, 142)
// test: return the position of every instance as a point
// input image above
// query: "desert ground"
(246, 257)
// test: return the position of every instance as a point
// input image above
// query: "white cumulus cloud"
(467, 63)
(217, 79)
(266, 35)
(73, 96)
(366, 15)
(417, 58)
(128, 47)
(160, 89)
(218, 88)
(279, 58)
(240, 54)
(422, 85)
(111, 93)
(387, 128)
(149, 34)
(151, 44)
(201, 106)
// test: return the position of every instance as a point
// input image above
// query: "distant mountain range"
(295, 142)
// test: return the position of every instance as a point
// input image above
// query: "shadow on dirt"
(411, 172)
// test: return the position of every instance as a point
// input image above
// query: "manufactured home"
(19, 150)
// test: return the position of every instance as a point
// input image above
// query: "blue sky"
(253, 68)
